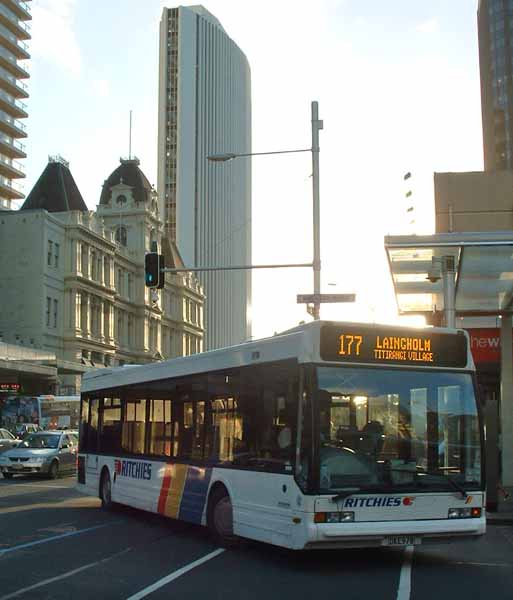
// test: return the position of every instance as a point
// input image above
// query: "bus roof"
(302, 343)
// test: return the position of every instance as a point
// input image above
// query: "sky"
(398, 89)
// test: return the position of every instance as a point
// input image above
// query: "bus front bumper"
(392, 533)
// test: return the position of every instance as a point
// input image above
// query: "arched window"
(121, 235)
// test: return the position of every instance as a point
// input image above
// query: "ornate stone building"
(72, 280)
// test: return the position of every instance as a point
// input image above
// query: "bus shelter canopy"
(483, 264)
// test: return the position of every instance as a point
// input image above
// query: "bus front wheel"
(220, 518)
(106, 491)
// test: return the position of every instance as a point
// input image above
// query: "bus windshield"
(407, 430)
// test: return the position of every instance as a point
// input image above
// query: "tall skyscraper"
(205, 109)
(13, 70)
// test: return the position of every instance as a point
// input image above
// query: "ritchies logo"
(132, 468)
(382, 501)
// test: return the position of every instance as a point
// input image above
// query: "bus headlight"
(334, 517)
(464, 513)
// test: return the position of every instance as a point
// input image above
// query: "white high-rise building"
(205, 109)
(14, 32)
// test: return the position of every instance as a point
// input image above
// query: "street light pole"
(316, 127)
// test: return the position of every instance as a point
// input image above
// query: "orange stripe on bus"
(164, 490)
(174, 496)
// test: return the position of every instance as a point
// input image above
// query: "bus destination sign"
(388, 345)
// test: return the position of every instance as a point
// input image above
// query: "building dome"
(128, 173)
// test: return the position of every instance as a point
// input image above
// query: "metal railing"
(12, 121)
(15, 164)
(9, 183)
(12, 38)
(4, 74)
(13, 60)
(14, 101)
(5, 139)
(14, 18)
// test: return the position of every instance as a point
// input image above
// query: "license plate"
(401, 540)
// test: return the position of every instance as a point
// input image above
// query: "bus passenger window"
(159, 427)
(84, 424)
(110, 425)
(92, 434)
(133, 432)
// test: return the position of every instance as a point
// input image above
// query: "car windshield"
(40, 440)
(404, 430)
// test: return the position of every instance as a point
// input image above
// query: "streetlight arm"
(230, 155)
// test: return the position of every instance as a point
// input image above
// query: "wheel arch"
(214, 487)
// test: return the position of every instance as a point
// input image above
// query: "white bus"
(329, 435)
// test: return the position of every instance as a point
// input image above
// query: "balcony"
(20, 8)
(13, 106)
(10, 62)
(12, 43)
(11, 147)
(11, 126)
(11, 85)
(13, 23)
(9, 189)
(11, 169)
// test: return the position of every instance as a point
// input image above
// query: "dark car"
(23, 429)
(45, 452)
(7, 440)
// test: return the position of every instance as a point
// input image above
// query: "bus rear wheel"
(220, 519)
(106, 491)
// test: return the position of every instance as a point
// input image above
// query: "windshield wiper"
(450, 480)
(345, 493)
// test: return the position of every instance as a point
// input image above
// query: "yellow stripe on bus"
(174, 496)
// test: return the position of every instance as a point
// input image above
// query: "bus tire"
(53, 471)
(106, 490)
(220, 518)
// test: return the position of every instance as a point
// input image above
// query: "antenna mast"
(130, 138)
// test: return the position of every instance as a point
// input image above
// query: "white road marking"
(404, 589)
(63, 576)
(55, 537)
(174, 575)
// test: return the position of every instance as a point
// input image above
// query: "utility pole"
(317, 125)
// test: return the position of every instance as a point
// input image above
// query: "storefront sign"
(485, 344)
(10, 388)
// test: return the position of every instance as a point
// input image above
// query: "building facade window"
(48, 310)
(56, 256)
(50, 253)
(121, 235)
(55, 312)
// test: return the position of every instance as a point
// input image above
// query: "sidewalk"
(504, 513)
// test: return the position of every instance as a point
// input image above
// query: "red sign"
(485, 344)
(10, 387)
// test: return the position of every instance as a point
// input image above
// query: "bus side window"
(92, 434)
(84, 424)
(110, 425)
(134, 425)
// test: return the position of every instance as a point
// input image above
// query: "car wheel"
(8, 475)
(220, 519)
(106, 491)
(53, 471)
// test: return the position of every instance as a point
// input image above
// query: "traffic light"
(154, 270)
